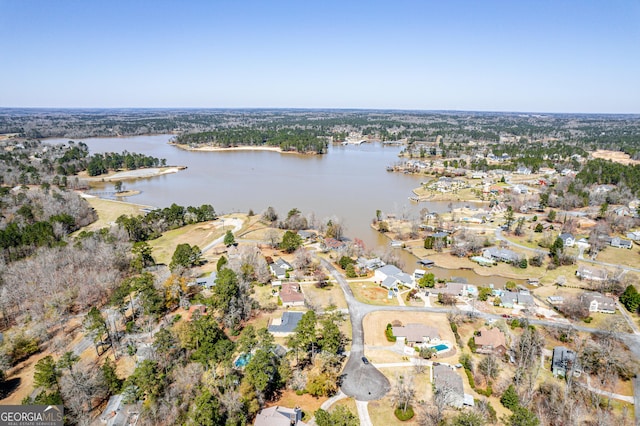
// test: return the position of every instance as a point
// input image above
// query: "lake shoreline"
(209, 148)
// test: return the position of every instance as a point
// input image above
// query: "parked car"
(365, 360)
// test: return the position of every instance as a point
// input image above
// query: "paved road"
(362, 381)
(236, 223)
(363, 413)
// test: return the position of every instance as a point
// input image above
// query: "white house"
(568, 240)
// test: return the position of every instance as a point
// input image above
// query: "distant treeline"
(286, 139)
(101, 163)
(605, 172)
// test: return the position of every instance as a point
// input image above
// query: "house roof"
(565, 236)
(416, 332)
(290, 293)
(207, 282)
(490, 337)
(562, 356)
(501, 253)
(287, 323)
(603, 301)
(389, 270)
(279, 416)
(444, 376)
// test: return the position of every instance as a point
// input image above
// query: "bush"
(472, 344)
(588, 319)
(510, 398)
(404, 415)
(22, 347)
(389, 333)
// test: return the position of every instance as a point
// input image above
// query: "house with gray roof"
(284, 326)
(568, 240)
(597, 302)
(388, 275)
(449, 383)
(563, 360)
(501, 255)
(279, 416)
(279, 268)
(509, 299)
(206, 282)
(621, 243)
(416, 333)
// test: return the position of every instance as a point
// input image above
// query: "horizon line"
(407, 110)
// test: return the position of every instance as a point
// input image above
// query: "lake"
(348, 183)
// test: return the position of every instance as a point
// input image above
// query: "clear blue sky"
(516, 55)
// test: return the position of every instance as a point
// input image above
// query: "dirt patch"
(306, 402)
(373, 294)
(615, 156)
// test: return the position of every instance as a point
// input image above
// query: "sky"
(579, 56)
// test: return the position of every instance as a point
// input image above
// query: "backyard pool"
(242, 360)
(441, 347)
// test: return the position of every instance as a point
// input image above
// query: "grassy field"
(199, 234)
(371, 293)
(325, 297)
(109, 210)
(620, 256)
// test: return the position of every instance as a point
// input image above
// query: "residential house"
(369, 264)
(332, 244)
(284, 326)
(519, 189)
(555, 300)
(563, 360)
(447, 381)
(634, 236)
(416, 334)
(307, 235)
(591, 273)
(279, 416)
(509, 299)
(501, 255)
(490, 341)
(291, 295)
(568, 240)
(597, 302)
(390, 276)
(279, 268)
(621, 243)
(118, 413)
(206, 282)
(457, 289)
(523, 171)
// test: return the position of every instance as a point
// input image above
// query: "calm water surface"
(349, 183)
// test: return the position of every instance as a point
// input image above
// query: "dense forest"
(286, 139)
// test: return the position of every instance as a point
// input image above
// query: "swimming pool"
(242, 360)
(441, 347)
